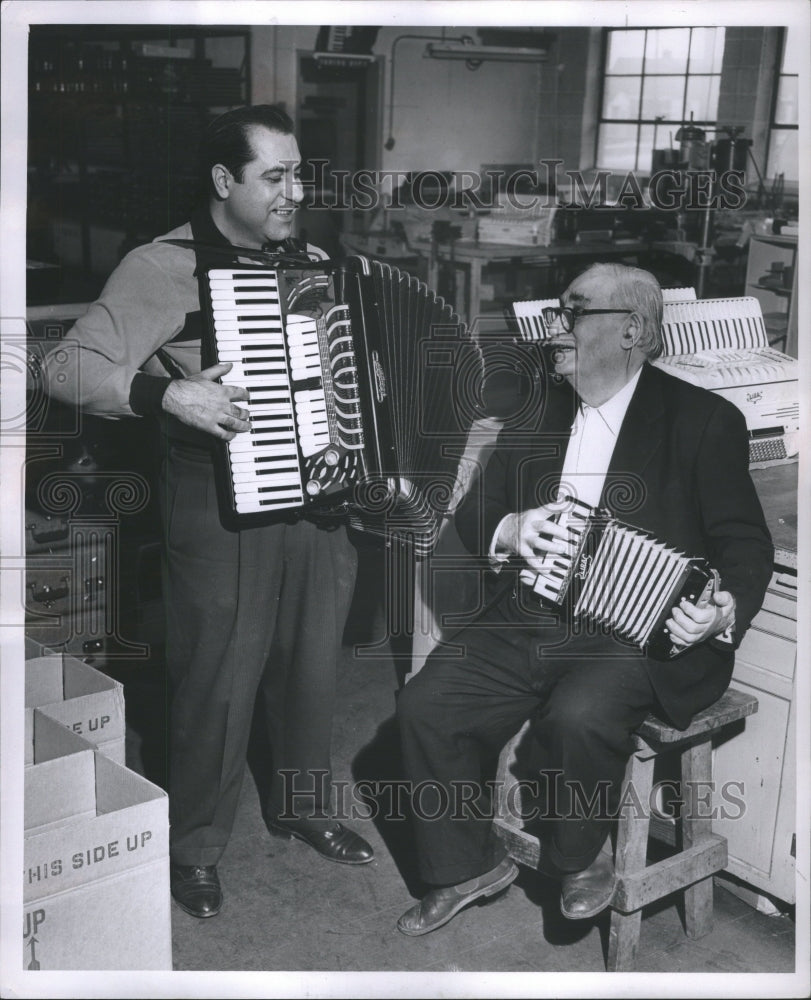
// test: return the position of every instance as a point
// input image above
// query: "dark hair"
(227, 138)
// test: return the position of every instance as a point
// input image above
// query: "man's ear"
(222, 179)
(632, 331)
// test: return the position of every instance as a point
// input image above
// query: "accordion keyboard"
(554, 576)
(303, 404)
(249, 333)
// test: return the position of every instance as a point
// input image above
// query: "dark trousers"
(586, 696)
(256, 609)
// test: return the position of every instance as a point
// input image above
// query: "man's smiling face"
(594, 347)
(261, 206)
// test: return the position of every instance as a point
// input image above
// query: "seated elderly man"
(676, 456)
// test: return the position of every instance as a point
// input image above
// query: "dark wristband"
(146, 393)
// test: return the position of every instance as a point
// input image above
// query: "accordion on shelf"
(359, 378)
(721, 345)
(621, 578)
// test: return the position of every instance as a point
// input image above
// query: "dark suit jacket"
(680, 470)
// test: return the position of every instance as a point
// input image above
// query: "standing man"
(677, 458)
(257, 609)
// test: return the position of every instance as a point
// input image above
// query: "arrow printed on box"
(34, 963)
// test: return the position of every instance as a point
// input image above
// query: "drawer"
(770, 651)
(91, 649)
(775, 624)
(781, 595)
(59, 604)
(44, 533)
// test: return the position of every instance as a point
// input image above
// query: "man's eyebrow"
(282, 168)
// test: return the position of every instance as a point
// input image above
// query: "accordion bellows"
(361, 381)
(621, 579)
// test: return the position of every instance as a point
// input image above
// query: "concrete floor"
(288, 910)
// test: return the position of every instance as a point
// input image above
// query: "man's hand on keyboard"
(533, 535)
(691, 624)
(202, 402)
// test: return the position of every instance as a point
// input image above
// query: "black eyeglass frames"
(568, 316)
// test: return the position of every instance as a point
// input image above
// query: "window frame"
(639, 121)
(774, 126)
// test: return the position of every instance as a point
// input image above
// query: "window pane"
(702, 98)
(707, 50)
(795, 52)
(624, 51)
(662, 96)
(783, 155)
(666, 50)
(785, 112)
(645, 156)
(617, 148)
(621, 97)
(678, 80)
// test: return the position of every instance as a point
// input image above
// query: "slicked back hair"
(227, 138)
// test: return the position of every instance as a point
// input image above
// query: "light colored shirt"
(588, 454)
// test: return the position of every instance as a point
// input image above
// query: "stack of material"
(530, 226)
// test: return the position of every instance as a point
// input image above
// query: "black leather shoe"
(441, 905)
(585, 894)
(196, 889)
(332, 840)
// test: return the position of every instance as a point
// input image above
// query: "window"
(655, 80)
(784, 132)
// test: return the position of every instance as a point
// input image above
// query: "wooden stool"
(701, 853)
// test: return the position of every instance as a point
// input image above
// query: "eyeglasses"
(568, 316)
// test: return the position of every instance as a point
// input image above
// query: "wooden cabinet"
(771, 277)
(754, 772)
(762, 757)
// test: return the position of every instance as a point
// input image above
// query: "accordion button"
(331, 456)
(313, 487)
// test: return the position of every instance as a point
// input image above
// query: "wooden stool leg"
(696, 775)
(623, 941)
(630, 856)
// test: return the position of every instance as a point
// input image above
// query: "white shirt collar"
(613, 410)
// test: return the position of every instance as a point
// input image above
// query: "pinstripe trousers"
(260, 609)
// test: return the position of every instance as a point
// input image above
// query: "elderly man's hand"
(532, 535)
(202, 402)
(691, 624)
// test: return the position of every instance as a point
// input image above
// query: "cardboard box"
(88, 702)
(33, 648)
(96, 869)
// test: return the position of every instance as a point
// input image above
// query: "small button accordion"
(359, 378)
(621, 578)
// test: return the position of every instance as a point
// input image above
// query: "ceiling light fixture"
(470, 52)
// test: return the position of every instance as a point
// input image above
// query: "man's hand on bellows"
(532, 534)
(691, 624)
(202, 402)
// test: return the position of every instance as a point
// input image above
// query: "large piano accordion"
(361, 382)
(621, 579)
